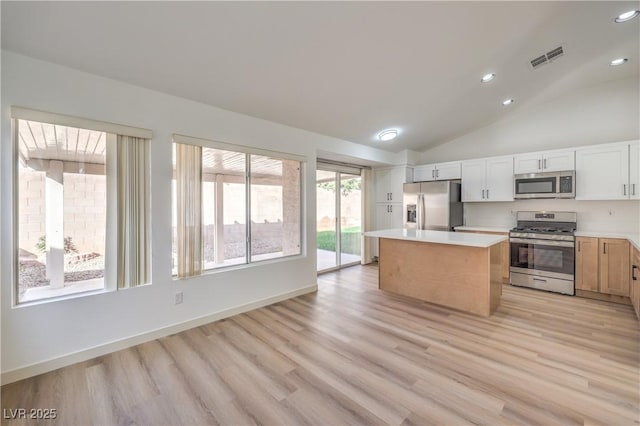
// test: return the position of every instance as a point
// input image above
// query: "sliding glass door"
(326, 219)
(339, 218)
(350, 225)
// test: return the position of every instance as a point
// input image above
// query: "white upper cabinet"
(634, 170)
(424, 173)
(558, 161)
(548, 161)
(440, 171)
(487, 179)
(602, 172)
(473, 174)
(527, 163)
(450, 170)
(389, 182)
(499, 179)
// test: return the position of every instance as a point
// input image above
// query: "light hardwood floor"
(352, 354)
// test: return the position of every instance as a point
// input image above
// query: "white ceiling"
(344, 69)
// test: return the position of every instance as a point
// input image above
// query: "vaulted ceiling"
(343, 69)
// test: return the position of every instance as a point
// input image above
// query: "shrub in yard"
(69, 247)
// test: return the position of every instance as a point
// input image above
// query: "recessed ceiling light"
(387, 135)
(627, 16)
(618, 61)
(507, 102)
(487, 77)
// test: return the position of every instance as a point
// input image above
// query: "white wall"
(597, 216)
(33, 334)
(608, 112)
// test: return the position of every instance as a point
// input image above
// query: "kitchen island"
(453, 269)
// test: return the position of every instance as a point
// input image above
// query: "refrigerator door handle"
(423, 215)
(419, 212)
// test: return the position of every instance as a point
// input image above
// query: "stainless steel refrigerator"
(432, 205)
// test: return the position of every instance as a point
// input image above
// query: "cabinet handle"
(390, 209)
(483, 194)
(539, 164)
(391, 196)
(487, 194)
(540, 279)
(433, 173)
(633, 189)
(624, 189)
(604, 249)
(633, 272)
(544, 163)
(437, 173)
(579, 245)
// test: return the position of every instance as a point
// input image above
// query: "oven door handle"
(543, 242)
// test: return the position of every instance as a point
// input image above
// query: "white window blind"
(134, 242)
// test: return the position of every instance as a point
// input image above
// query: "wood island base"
(461, 277)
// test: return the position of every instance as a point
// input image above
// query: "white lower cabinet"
(387, 216)
(488, 179)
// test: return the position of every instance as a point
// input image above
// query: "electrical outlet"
(178, 298)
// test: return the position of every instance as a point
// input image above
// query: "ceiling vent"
(547, 57)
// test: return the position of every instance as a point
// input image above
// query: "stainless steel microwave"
(545, 185)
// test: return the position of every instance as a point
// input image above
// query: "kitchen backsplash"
(602, 216)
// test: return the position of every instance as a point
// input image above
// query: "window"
(82, 207)
(215, 190)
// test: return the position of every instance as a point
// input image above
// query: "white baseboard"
(89, 353)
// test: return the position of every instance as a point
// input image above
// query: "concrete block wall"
(84, 210)
(31, 210)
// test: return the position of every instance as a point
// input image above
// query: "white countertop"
(439, 237)
(482, 228)
(633, 238)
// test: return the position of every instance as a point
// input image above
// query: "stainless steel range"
(543, 251)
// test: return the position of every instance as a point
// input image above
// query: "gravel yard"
(32, 272)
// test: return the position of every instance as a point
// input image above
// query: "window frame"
(248, 152)
(111, 131)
